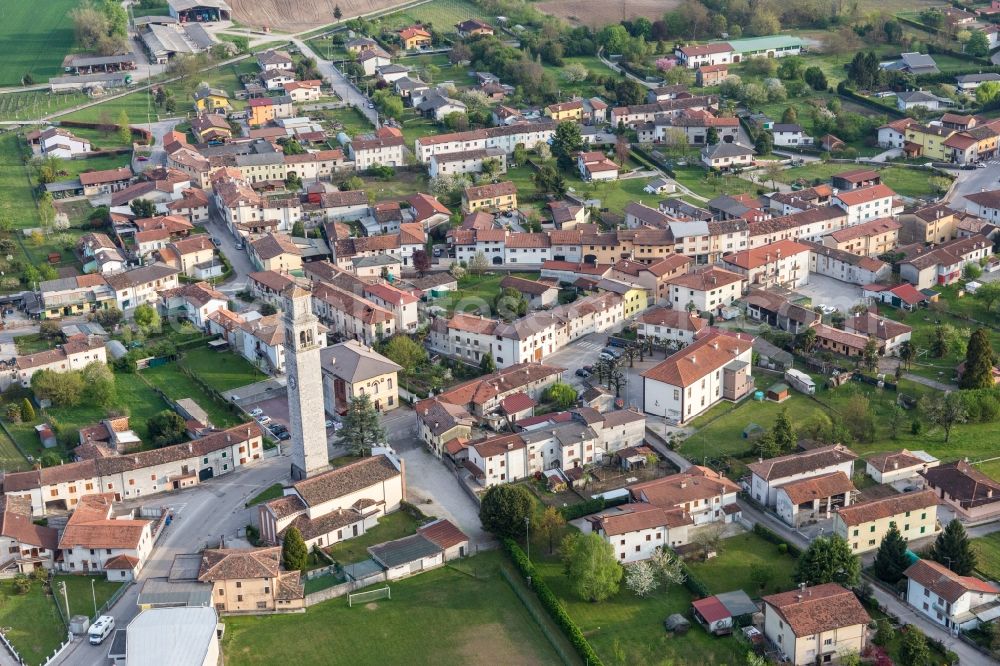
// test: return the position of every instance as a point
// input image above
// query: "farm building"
(200, 11)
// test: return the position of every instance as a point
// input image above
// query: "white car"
(334, 425)
(256, 411)
(263, 420)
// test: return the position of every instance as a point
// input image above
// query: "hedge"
(844, 91)
(587, 507)
(769, 535)
(551, 603)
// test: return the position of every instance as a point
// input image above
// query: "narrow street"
(344, 89)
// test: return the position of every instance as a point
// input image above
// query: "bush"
(574, 511)
(774, 538)
(693, 584)
(551, 604)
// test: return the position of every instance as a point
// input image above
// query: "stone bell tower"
(305, 385)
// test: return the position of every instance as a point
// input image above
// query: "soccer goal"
(369, 595)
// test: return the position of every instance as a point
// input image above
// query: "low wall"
(343, 588)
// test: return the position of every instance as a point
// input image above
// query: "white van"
(101, 629)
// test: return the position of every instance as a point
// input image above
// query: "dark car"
(589, 368)
(582, 373)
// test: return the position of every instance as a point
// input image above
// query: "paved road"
(974, 180)
(346, 90)
(202, 515)
(940, 386)
(240, 260)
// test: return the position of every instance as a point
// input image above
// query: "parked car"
(264, 420)
(437, 252)
(589, 368)
(216, 242)
(582, 373)
(256, 411)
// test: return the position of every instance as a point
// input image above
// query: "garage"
(205, 474)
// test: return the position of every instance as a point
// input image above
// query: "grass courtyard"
(987, 550)
(176, 385)
(16, 202)
(476, 293)
(905, 181)
(30, 621)
(392, 526)
(81, 596)
(462, 613)
(223, 370)
(737, 557)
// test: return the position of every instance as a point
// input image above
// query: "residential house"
(943, 264)
(352, 316)
(769, 475)
(784, 263)
(438, 105)
(540, 293)
(371, 59)
(473, 28)
(711, 75)
(303, 91)
(893, 134)
(706, 289)
(74, 295)
(211, 127)
(58, 142)
(275, 252)
(953, 601)
(866, 203)
(470, 161)
(920, 99)
(194, 256)
(336, 505)
(868, 239)
(845, 266)
(414, 37)
(274, 79)
(838, 341)
(813, 498)
(913, 63)
(968, 492)
(26, 546)
(376, 151)
(596, 166)
(351, 369)
(402, 304)
(273, 59)
(493, 196)
(140, 285)
(775, 310)
(713, 368)
(105, 181)
(864, 524)
(94, 540)
(263, 110)
(211, 100)
(816, 624)
(699, 494)
(903, 466)
(195, 302)
(889, 334)
(250, 580)
(667, 325)
(790, 134)
(727, 156)
(692, 57)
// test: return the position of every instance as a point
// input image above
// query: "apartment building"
(784, 263)
(865, 524)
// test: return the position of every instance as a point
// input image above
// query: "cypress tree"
(979, 360)
(294, 554)
(952, 549)
(890, 560)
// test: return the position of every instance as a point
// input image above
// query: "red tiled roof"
(698, 359)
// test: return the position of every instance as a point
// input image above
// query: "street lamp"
(527, 535)
(62, 586)
(93, 593)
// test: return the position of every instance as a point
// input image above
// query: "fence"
(119, 593)
(59, 650)
(10, 648)
(344, 588)
(540, 618)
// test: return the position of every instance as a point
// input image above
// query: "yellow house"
(634, 298)
(565, 111)
(931, 139)
(414, 37)
(250, 580)
(863, 525)
(211, 100)
(275, 252)
(493, 196)
(351, 369)
(815, 625)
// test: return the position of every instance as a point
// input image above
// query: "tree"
(953, 549)
(549, 524)
(22, 583)
(989, 293)
(337, 14)
(712, 136)
(765, 446)
(870, 354)
(859, 418)
(299, 229)
(404, 351)
(487, 365)
(987, 92)
(520, 155)
(979, 361)
(63, 389)
(807, 339)
(147, 318)
(27, 410)
(978, 44)
(478, 264)
(945, 410)
(268, 309)
(562, 395)
(14, 412)
(109, 317)
(791, 68)
(640, 578)
(124, 131)
(828, 560)
(100, 383)
(566, 143)
(891, 560)
(622, 150)
(510, 304)
(362, 426)
(913, 650)
(592, 566)
(784, 436)
(166, 427)
(708, 539)
(761, 575)
(668, 567)
(907, 353)
(575, 72)
(142, 208)
(549, 181)
(504, 510)
(790, 116)
(816, 79)
(294, 553)
(421, 261)
(764, 143)
(459, 53)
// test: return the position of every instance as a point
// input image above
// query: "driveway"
(202, 515)
(436, 491)
(344, 89)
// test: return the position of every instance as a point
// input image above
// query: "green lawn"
(32, 343)
(441, 14)
(81, 597)
(16, 202)
(701, 182)
(269, 493)
(988, 555)
(477, 293)
(74, 168)
(392, 526)
(222, 371)
(730, 569)
(465, 613)
(635, 626)
(134, 396)
(176, 385)
(31, 622)
(907, 182)
(34, 37)
(348, 120)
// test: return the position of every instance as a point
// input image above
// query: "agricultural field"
(462, 613)
(441, 14)
(598, 14)
(16, 202)
(34, 38)
(37, 103)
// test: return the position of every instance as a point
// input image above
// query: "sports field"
(34, 37)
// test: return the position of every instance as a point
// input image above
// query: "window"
(239, 597)
(239, 583)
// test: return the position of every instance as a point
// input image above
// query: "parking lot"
(823, 290)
